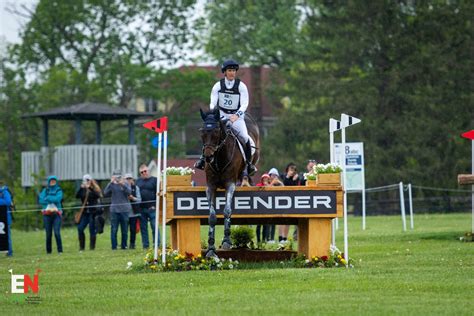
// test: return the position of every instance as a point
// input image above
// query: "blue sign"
(154, 142)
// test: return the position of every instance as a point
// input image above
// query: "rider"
(232, 98)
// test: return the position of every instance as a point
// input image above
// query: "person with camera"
(119, 190)
(135, 199)
(290, 178)
(90, 194)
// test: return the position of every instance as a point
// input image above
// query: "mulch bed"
(249, 255)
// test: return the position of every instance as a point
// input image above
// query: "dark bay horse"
(224, 167)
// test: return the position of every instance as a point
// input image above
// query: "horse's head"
(211, 133)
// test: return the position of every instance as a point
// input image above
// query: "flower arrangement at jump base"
(334, 260)
(179, 171)
(322, 169)
(325, 173)
(187, 262)
(179, 176)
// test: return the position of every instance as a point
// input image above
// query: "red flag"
(468, 135)
(159, 126)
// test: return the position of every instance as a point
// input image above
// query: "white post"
(331, 159)
(412, 224)
(402, 206)
(363, 189)
(363, 208)
(165, 165)
(346, 242)
(157, 204)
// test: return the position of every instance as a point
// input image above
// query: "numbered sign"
(354, 164)
(229, 101)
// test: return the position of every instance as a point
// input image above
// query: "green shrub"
(242, 236)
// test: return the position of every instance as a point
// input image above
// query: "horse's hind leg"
(211, 195)
(226, 242)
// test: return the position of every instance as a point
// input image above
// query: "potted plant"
(178, 176)
(328, 174)
(310, 178)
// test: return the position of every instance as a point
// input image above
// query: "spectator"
(6, 200)
(263, 229)
(309, 168)
(291, 178)
(50, 200)
(120, 207)
(90, 194)
(246, 180)
(147, 185)
(274, 174)
(274, 181)
(133, 218)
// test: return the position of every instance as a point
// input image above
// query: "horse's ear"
(217, 114)
(203, 115)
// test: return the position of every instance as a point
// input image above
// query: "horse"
(224, 167)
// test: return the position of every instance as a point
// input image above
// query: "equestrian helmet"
(229, 64)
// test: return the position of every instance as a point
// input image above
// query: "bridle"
(215, 148)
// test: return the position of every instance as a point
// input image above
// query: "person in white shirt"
(231, 96)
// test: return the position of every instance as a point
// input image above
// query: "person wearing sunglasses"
(147, 185)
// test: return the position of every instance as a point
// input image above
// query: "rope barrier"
(79, 207)
(440, 189)
(375, 189)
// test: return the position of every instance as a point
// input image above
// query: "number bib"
(229, 101)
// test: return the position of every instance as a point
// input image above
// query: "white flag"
(334, 125)
(347, 120)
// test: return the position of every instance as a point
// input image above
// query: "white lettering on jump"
(242, 202)
(258, 199)
(185, 204)
(302, 202)
(220, 202)
(324, 200)
(280, 199)
(202, 203)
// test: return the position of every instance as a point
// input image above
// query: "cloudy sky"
(9, 23)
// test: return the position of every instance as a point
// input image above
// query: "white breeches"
(238, 126)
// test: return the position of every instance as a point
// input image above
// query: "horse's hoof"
(211, 254)
(226, 245)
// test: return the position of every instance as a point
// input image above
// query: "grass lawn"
(422, 272)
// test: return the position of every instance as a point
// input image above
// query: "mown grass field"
(422, 272)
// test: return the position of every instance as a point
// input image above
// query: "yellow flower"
(339, 256)
(203, 260)
(176, 258)
(343, 261)
(169, 264)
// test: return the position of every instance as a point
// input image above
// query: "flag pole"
(165, 165)
(344, 181)
(157, 204)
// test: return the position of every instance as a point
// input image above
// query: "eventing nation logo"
(27, 286)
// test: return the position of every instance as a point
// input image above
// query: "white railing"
(71, 162)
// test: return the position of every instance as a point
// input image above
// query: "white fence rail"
(71, 162)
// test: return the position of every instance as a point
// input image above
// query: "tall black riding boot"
(92, 245)
(200, 163)
(251, 169)
(82, 242)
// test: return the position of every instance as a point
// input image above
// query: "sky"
(9, 23)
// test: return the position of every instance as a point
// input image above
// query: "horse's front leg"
(229, 194)
(211, 197)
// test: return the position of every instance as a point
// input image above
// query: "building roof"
(88, 111)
